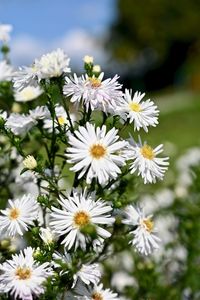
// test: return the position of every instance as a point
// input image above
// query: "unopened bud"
(88, 59)
(29, 162)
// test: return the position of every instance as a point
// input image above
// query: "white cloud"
(76, 43)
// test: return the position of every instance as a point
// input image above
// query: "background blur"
(154, 46)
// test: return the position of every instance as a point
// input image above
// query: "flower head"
(53, 64)
(145, 161)
(29, 162)
(21, 213)
(76, 212)
(95, 152)
(6, 71)
(5, 30)
(145, 241)
(142, 113)
(26, 76)
(95, 92)
(23, 277)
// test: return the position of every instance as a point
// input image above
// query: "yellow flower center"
(97, 151)
(95, 82)
(147, 152)
(97, 296)
(23, 273)
(81, 219)
(148, 224)
(61, 120)
(135, 106)
(14, 213)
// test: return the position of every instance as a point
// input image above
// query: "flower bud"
(96, 69)
(29, 162)
(88, 59)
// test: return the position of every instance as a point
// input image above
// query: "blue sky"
(42, 25)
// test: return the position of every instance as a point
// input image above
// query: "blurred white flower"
(28, 93)
(19, 124)
(5, 30)
(141, 113)
(144, 239)
(39, 113)
(26, 76)
(6, 71)
(94, 92)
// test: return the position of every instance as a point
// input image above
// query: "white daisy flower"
(20, 124)
(145, 161)
(23, 277)
(26, 76)
(95, 93)
(53, 64)
(21, 213)
(5, 30)
(95, 152)
(78, 211)
(28, 93)
(6, 71)
(143, 114)
(145, 241)
(39, 113)
(88, 274)
(95, 292)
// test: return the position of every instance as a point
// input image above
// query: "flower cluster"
(71, 145)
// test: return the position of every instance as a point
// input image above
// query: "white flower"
(6, 71)
(5, 30)
(16, 218)
(60, 120)
(143, 114)
(39, 113)
(78, 211)
(29, 162)
(95, 152)
(145, 161)
(53, 64)
(88, 274)
(26, 76)
(23, 277)
(95, 93)
(145, 241)
(28, 93)
(95, 292)
(19, 124)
